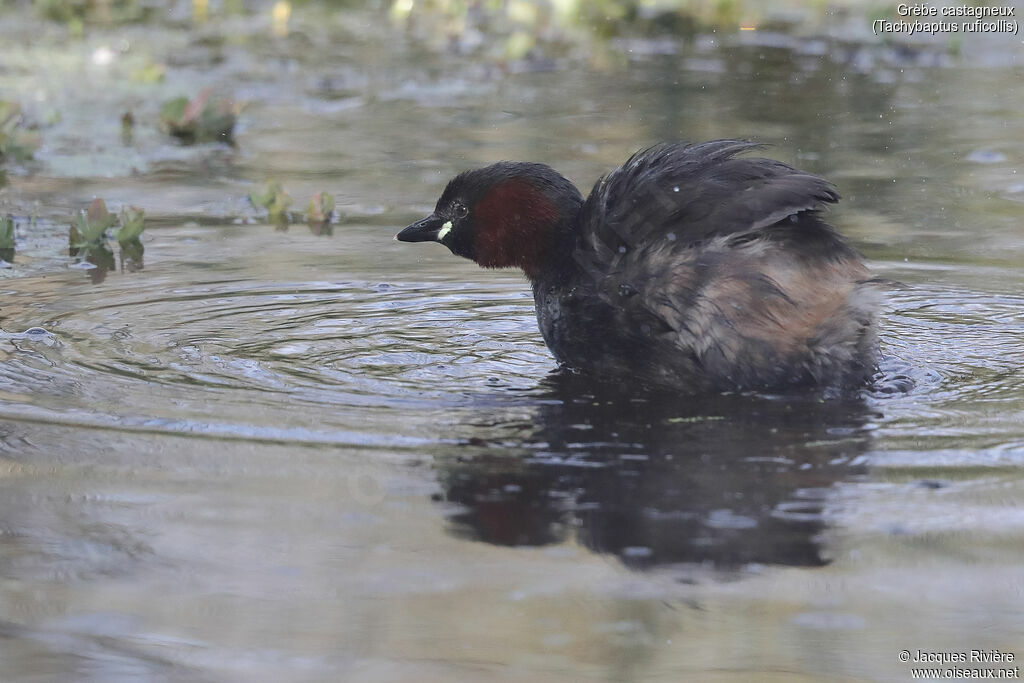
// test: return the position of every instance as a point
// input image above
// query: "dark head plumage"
(506, 214)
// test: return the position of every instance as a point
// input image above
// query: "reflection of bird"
(732, 481)
(688, 267)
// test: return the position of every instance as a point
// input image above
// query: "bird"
(692, 268)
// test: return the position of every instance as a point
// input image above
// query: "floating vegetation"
(88, 238)
(16, 142)
(128, 237)
(132, 225)
(91, 228)
(6, 241)
(205, 118)
(320, 213)
(275, 200)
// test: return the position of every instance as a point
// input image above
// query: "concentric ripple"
(280, 360)
(367, 362)
(963, 351)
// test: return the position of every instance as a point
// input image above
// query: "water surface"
(276, 455)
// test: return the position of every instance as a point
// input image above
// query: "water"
(275, 455)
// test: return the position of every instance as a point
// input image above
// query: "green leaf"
(319, 213)
(75, 241)
(266, 197)
(321, 206)
(274, 199)
(173, 111)
(92, 225)
(132, 225)
(278, 209)
(205, 118)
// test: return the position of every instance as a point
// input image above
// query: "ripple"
(962, 350)
(365, 362)
(280, 361)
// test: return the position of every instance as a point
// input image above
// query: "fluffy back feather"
(697, 192)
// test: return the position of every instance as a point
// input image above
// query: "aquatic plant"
(6, 238)
(103, 258)
(205, 118)
(6, 232)
(132, 225)
(88, 238)
(16, 142)
(320, 212)
(275, 200)
(91, 228)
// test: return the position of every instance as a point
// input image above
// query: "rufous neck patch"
(514, 224)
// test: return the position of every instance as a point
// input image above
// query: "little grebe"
(688, 268)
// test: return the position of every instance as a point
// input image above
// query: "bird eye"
(460, 210)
